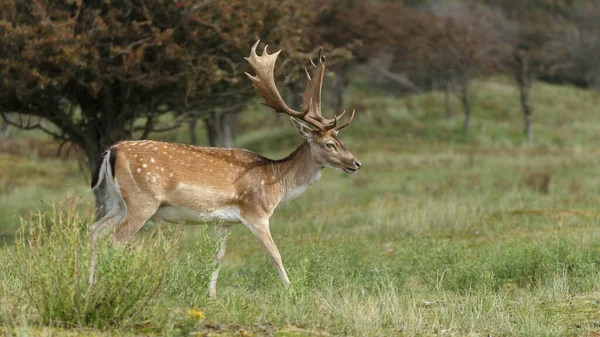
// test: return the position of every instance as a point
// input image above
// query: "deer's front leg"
(260, 229)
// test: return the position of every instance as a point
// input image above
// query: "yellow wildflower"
(195, 313)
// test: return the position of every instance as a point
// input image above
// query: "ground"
(437, 235)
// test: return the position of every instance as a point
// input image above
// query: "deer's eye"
(330, 145)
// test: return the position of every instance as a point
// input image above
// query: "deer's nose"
(357, 164)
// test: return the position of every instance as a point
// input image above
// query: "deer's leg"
(261, 231)
(96, 229)
(222, 234)
(138, 213)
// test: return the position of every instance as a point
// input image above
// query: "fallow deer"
(180, 183)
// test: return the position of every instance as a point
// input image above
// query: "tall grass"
(419, 285)
(188, 278)
(50, 271)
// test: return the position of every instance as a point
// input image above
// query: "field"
(437, 235)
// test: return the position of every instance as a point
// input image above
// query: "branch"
(168, 128)
(29, 126)
(127, 50)
(149, 122)
(38, 105)
(79, 5)
(398, 79)
(149, 127)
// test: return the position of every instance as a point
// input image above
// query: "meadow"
(437, 235)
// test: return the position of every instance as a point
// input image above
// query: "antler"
(339, 127)
(264, 84)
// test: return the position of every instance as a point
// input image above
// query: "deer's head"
(321, 133)
(327, 148)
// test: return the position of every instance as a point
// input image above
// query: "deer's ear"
(303, 130)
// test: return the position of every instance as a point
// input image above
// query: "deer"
(180, 183)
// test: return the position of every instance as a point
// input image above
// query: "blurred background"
(78, 76)
(91, 73)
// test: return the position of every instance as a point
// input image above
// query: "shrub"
(52, 263)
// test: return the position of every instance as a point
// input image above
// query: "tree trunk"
(220, 128)
(524, 80)
(447, 91)
(464, 97)
(340, 88)
(294, 94)
(527, 111)
(4, 131)
(227, 129)
(211, 130)
(192, 131)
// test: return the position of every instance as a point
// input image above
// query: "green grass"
(436, 235)
(48, 271)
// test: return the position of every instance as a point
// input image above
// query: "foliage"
(560, 38)
(100, 72)
(365, 28)
(94, 68)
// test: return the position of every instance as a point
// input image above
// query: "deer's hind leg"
(138, 213)
(126, 221)
(99, 227)
(223, 232)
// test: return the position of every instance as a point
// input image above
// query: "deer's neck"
(297, 171)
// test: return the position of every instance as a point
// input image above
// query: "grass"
(48, 272)
(437, 235)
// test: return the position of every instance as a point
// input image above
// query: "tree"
(561, 35)
(581, 40)
(100, 71)
(457, 43)
(533, 56)
(362, 31)
(536, 51)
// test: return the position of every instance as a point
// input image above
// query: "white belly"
(176, 214)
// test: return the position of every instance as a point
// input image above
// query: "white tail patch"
(113, 203)
(103, 167)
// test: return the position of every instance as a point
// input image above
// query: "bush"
(51, 257)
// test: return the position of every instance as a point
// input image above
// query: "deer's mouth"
(350, 170)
